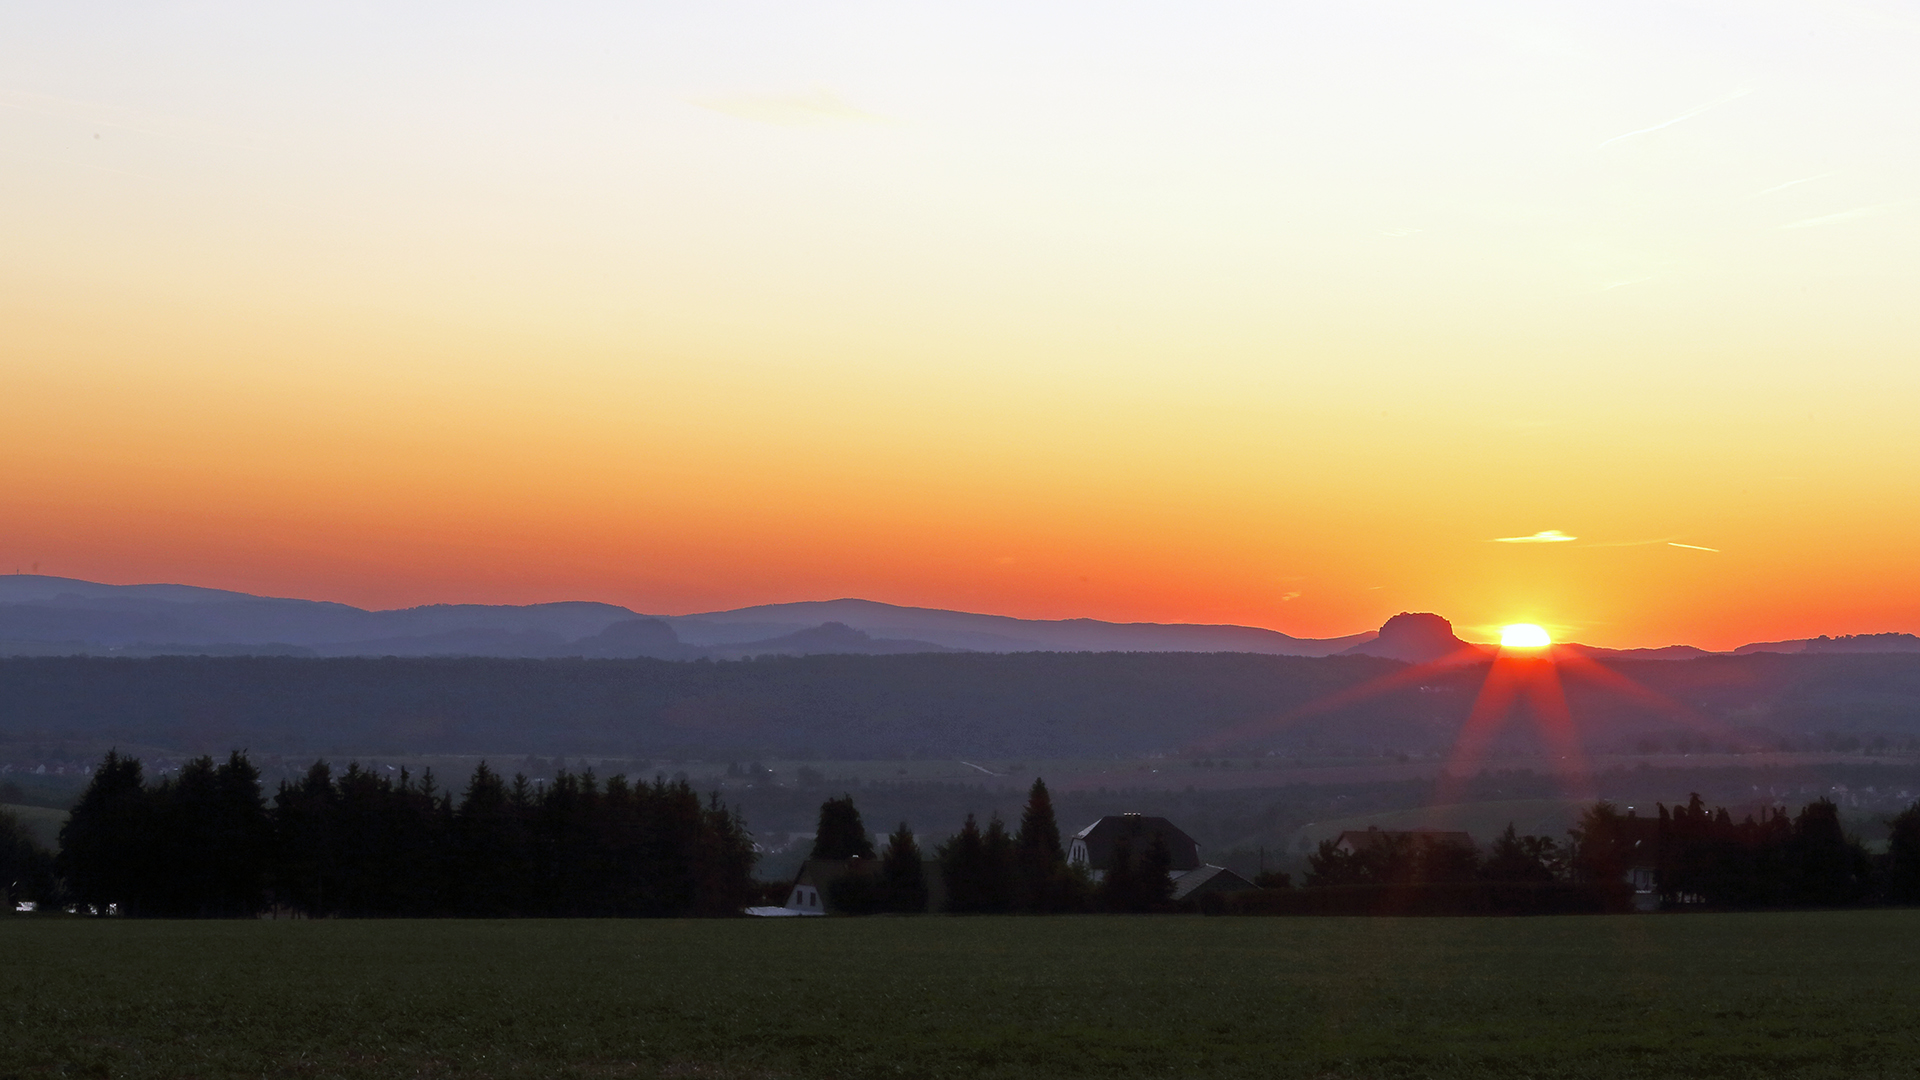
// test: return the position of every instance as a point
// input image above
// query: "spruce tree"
(104, 854)
(1043, 879)
(241, 836)
(305, 867)
(903, 880)
(489, 872)
(963, 868)
(840, 834)
(1000, 870)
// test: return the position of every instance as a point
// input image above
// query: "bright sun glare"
(1524, 636)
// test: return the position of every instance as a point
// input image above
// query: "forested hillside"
(952, 705)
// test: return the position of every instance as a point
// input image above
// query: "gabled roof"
(1208, 879)
(820, 873)
(1100, 838)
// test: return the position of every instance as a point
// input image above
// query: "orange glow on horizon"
(1257, 319)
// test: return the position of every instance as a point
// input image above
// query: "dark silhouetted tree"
(1902, 878)
(241, 835)
(903, 878)
(1045, 883)
(1521, 858)
(1606, 845)
(104, 852)
(840, 834)
(1000, 885)
(1828, 868)
(489, 850)
(307, 856)
(963, 868)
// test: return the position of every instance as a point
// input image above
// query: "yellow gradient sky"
(1285, 315)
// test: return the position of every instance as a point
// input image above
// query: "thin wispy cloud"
(1545, 536)
(1658, 541)
(1793, 183)
(1845, 215)
(819, 107)
(1688, 115)
(1634, 543)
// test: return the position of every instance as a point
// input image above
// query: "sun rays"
(1524, 683)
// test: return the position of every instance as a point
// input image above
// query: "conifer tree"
(841, 834)
(903, 881)
(963, 867)
(305, 866)
(489, 867)
(104, 855)
(1045, 884)
(241, 836)
(1000, 869)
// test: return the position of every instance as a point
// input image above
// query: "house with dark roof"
(1093, 849)
(1207, 880)
(1093, 846)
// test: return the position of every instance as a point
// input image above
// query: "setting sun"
(1524, 636)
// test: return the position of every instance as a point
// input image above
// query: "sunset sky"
(1599, 316)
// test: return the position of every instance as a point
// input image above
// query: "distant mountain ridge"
(50, 616)
(53, 616)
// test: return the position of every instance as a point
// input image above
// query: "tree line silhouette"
(1704, 858)
(207, 843)
(1693, 856)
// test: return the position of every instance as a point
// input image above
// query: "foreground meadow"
(1765, 995)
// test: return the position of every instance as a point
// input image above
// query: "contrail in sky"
(1791, 183)
(1688, 115)
(1844, 215)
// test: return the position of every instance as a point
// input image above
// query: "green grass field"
(1772, 995)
